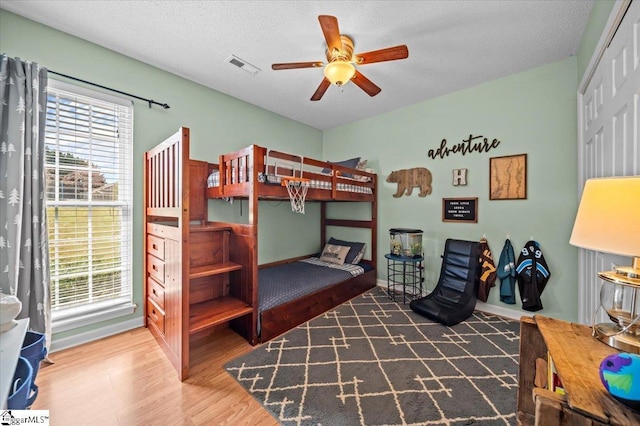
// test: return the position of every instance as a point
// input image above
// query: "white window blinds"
(89, 173)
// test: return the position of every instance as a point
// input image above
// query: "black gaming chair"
(454, 298)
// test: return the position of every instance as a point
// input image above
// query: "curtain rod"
(165, 106)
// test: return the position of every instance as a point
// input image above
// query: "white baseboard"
(499, 310)
(481, 306)
(58, 344)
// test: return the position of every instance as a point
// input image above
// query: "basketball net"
(297, 189)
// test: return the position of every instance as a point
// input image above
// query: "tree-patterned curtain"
(24, 249)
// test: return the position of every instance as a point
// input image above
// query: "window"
(89, 173)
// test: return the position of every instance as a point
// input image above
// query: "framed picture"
(460, 210)
(508, 177)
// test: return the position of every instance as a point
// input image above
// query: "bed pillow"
(358, 257)
(334, 254)
(351, 163)
(362, 165)
(354, 249)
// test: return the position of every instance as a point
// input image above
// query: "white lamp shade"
(339, 72)
(608, 218)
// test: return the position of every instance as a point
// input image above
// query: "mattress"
(214, 180)
(290, 281)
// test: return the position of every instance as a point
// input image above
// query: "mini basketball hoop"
(297, 188)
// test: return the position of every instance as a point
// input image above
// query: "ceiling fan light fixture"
(341, 67)
(339, 72)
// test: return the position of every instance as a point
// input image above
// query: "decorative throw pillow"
(358, 257)
(362, 164)
(334, 254)
(354, 249)
(351, 163)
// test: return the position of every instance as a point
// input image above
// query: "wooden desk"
(577, 356)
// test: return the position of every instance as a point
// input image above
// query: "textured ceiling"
(452, 45)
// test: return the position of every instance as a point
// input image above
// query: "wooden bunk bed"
(202, 275)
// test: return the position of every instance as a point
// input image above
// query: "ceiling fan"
(340, 68)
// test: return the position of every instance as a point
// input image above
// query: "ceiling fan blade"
(324, 85)
(294, 65)
(329, 25)
(388, 54)
(365, 84)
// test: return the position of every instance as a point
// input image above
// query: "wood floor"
(127, 380)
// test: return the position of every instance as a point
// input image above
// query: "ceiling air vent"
(242, 64)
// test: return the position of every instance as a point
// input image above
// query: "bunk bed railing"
(163, 174)
(240, 169)
(236, 170)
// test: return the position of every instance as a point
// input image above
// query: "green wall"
(218, 123)
(531, 112)
(534, 113)
(597, 20)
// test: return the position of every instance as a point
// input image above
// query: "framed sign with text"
(460, 210)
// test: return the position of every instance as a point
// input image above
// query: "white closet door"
(595, 132)
(621, 109)
(610, 117)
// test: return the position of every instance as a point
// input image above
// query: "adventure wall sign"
(472, 144)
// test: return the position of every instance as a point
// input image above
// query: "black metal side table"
(405, 272)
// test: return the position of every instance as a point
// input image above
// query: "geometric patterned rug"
(372, 361)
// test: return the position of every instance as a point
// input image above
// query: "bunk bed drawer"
(155, 292)
(164, 231)
(155, 246)
(155, 315)
(155, 267)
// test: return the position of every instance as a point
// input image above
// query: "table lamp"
(608, 221)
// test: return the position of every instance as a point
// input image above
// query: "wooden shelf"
(208, 270)
(209, 227)
(217, 311)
